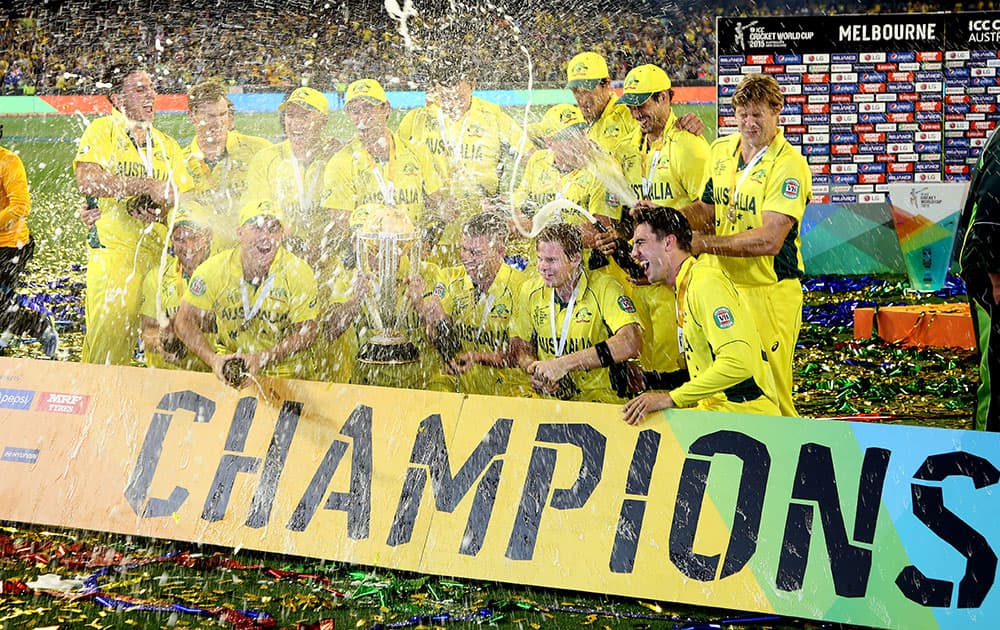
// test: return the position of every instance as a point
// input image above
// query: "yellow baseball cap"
(307, 97)
(641, 82)
(260, 208)
(365, 88)
(192, 214)
(586, 71)
(558, 119)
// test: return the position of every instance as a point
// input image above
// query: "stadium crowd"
(62, 47)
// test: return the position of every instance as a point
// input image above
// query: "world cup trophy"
(388, 253)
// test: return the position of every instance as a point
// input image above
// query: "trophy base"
(388, 352)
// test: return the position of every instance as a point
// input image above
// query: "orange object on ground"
(937, 325)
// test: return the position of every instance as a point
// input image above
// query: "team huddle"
(606, 253)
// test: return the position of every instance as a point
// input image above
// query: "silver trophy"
(389, 257)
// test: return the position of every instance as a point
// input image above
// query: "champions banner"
(876, 525)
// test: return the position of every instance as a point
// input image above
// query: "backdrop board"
(876, 525)
(872, 99)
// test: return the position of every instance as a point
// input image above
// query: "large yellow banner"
(701, 508)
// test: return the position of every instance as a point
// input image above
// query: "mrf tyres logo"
(55, 402)
(751, 35)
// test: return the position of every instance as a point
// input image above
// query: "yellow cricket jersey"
(543, 183)
(275, 174)
(668, 172)
(655, 303)
(170, 289)
(354, 182)
(106, 142)
(15, 200)
(289, 299)
(483, 322)
(779, 182)
(724, 354)
(601, 309)
(221, 186)
(467, 152)
(615, 126)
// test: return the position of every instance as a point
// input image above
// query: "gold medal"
(731, 214)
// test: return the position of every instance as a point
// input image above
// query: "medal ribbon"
(682, 285)
(647, 177)
(249, 312)
(560, 343)
(454, 144)
(736, 185)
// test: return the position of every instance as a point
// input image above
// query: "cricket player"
(135, 172)
(474, 144)
(162, 289)
(755, 193)
(218, 158)
(263, 299)
(726, 361)
(16, 249)
(573, 326)
(290, 173)
(471, 307)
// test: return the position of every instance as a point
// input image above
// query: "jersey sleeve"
(14, 182)
(694, 152)
(408, 125)
(600, 202)
(205, 285)
(616, 306)
(511, 133)
(715, 306)
(95, 145)
(789, 185)
(147, 298)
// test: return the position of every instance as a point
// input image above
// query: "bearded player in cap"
(610, 121)
(263, 300)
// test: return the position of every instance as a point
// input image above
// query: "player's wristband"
(604, 354)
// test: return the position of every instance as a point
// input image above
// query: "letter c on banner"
(152, 447)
